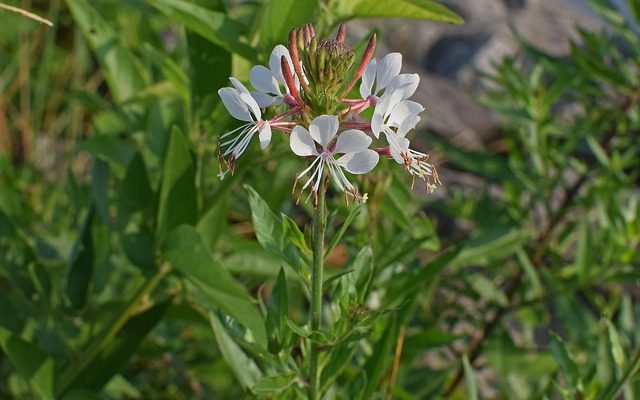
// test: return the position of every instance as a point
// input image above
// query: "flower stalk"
(316, 291)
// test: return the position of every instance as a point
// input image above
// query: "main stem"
(316, 291)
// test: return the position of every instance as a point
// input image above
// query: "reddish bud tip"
(366, 58)
(291, 84)
(342, 31)
(295, 58)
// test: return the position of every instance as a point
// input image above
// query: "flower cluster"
(305, 90)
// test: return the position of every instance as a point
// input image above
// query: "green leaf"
(178, 202)
(215, 26)
(565, 360)
(488, 290)
(412, 9)
(363, 273)
(617, 350)
(470, 379)
(205, 57)
(213, 223)
(294, 235)
(277, 313)
(377, 364)
(81, 264)
(119, 67)
(484, 164)
(280, 16)
(492, 244)
(135, 192)
(267, 225)
(121, 348)
(245, 369)
(339, 358)
(30, 362)
(186, 251)
(274, 384)
(353, 213)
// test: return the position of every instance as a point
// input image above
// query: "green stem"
(98, 345)
(316, 291)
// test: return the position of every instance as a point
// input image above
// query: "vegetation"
(128, 269)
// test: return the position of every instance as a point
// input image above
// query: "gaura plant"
(306, 92)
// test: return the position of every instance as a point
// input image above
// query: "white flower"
(395, 116)
(385, 75)
(267, 81)
(242, 106)
(353, 143)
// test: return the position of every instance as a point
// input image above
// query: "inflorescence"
(306, 86)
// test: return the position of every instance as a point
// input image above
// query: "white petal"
(252, 104)
(263, 80)
(376, 123)
(408, 124)
(352, 141)
(403, 86)
(359, 163)
(265, 100)
(397, 146)
(302, 143)
(238, 85)
(368, 77)
(323, 128)
(275, 63)
(403, 110)
(234, 104)
(265, 135)
(388, 68)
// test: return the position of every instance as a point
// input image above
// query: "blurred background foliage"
(128, 270)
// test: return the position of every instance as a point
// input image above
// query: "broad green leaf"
(215, 26)
(213, 222)
(205, 57)
(119, 67)
(470, 378)
(30, 362)
(294, 235)
(121, 348)
(135, 192)
(278, 17)
(117, 152)
(81, 264)
(244, 368)
(413, 9)
(186, 251)
(267, 225)
(178, 202)
(632, 371)
(170, 69)
(278, 313)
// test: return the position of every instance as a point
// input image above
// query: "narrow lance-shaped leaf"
(244, 368)
(186, 251)
(413, 9)
(217, 27)
(178, 202)
(30, 362)
(82, 263)
(121, 72)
